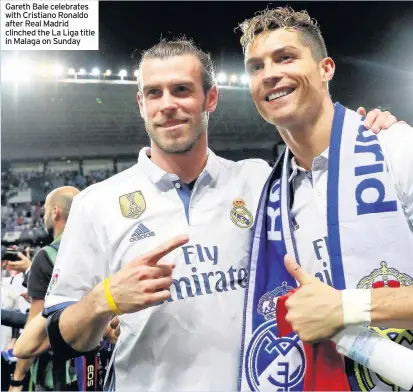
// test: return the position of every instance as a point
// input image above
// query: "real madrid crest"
(240, 215)
(384, 276)
(268, 302)
(273, 363)
(132, 204)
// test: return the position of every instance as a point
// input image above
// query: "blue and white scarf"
(370, 245)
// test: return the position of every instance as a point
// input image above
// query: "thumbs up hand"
(315, 311)
(297, 272)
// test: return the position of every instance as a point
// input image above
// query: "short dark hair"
(180, 47)
(285, 17)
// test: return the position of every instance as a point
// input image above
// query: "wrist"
(99, 303)
(356, 307)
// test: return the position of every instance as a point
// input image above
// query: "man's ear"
(56, 213)
(139, 98)
(211, 100)
(327, 69)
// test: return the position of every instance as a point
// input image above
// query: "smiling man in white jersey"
(340, 201)
(188, 338)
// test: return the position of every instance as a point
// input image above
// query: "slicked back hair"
(181, 47)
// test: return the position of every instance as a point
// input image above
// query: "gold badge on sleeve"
(240, 215)
(132, 204)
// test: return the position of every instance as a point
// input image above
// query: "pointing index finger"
(153, 256)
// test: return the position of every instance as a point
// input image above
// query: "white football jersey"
(310, 197)
(191, 342)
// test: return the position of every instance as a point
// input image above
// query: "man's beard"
(179, 147)
(48, 227)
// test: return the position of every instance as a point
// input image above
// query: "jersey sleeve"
(81, 261)
(397, 145)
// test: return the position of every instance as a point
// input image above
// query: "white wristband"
(356, 307)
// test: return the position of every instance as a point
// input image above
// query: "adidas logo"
(141, 232)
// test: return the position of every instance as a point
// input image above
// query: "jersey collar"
(295, 168)
(159, 176)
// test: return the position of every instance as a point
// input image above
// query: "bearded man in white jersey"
(181, 317)
(336, 215)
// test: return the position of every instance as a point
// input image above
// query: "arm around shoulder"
(397, 146)
(393, 307)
